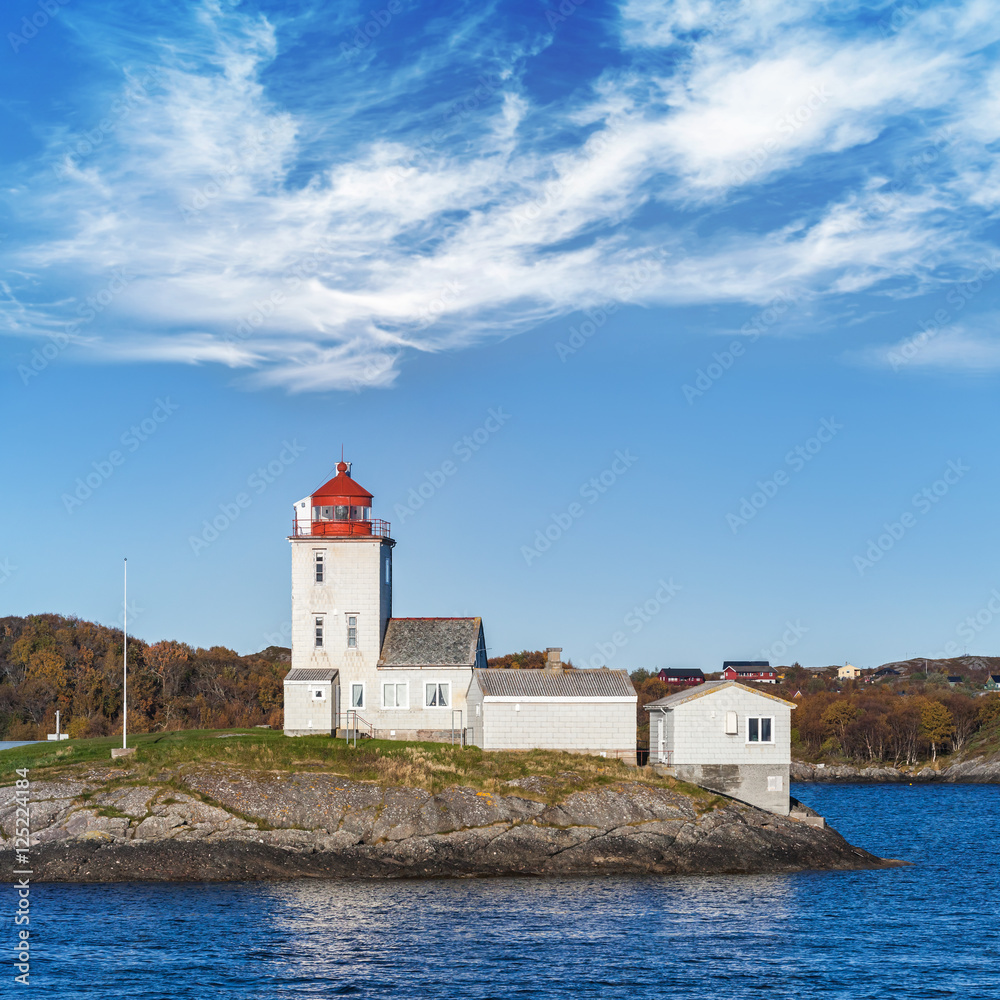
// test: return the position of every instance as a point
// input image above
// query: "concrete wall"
(354, 583)
(580, 725)
(406, 723)
(762, 785)
(306, 715)
(699, 750)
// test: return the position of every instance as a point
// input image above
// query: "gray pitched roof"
(431, 642)
(311, 674)
(602, 683)
(710, 687)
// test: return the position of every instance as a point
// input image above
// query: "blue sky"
(711, 287)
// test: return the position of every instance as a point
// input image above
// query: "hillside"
(49, 662)
(974, 668)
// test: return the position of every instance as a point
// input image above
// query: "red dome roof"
(340, 488)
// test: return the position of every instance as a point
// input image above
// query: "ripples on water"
(923, 932)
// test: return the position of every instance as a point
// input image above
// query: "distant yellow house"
(848, 672)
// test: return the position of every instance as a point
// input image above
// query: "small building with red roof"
(758, 671)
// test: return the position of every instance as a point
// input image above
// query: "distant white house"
(581, 711)
(727, 737)
(848, 672)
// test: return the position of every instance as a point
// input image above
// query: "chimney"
(553, 659)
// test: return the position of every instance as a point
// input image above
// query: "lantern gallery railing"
(376, 528)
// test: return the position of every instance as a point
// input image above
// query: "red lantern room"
(339, 507)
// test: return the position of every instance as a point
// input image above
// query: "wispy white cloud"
(953, 348)
(287, 239)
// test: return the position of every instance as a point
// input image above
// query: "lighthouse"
(355, 666)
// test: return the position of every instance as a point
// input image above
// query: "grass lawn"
(432, 766)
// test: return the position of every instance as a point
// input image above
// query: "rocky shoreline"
(215, 822)
(978, 770)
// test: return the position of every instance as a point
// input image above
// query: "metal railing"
(366, 729)
(375, 528)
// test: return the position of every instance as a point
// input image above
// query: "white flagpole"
(125, 661)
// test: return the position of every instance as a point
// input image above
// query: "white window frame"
(319, 567)
(358, 684)
(396, 685)
(347, 629)
(775, 783)
(759, 719)
(319, 631)
(438, 685)
(319, 694)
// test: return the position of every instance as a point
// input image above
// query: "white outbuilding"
(580, 711)
(727, 737)
(312, 696)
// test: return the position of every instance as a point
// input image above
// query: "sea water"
(924, 931)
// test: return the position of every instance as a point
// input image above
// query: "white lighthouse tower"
(353, 664)
(341, 604)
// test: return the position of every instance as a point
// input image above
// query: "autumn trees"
(527, 659)
(48, 662)
(883, 725)
(936, 724)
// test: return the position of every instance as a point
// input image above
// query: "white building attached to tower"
(404, 678)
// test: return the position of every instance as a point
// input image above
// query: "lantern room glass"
(342, 512)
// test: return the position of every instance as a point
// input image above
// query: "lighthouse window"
(319, 566)
(341, 513)
(352, 631)
(360, 513)
(357, 696)
(437, 695)
(319, 633)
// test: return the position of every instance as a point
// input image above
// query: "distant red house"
(749, 670)
(682, 675)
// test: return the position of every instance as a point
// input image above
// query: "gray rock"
(289, 825)
(976, 770)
